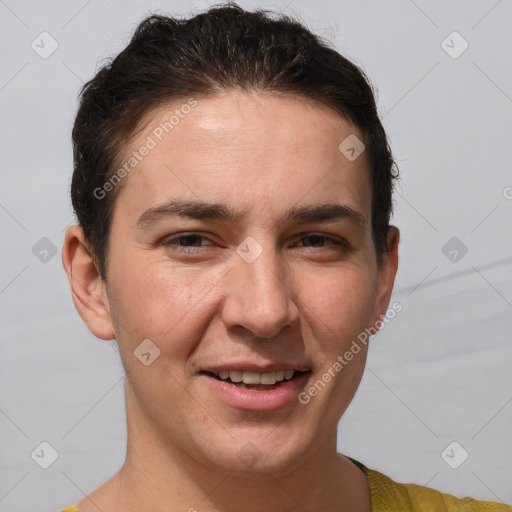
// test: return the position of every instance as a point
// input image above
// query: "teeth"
(235, 376)
(255, 377)
(288, 374)
(251, 378)
(268, 378)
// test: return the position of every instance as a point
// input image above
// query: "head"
(223, 217)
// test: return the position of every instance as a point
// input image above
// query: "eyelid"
(172, 241)
(337, 240)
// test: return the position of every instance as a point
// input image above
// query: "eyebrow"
(324, 212)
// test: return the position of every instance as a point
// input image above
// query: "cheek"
(167, 304)
(340, 307)
(341, 302)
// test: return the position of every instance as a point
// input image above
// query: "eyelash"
(173, 242)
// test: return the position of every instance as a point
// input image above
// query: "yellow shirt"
(390, 496)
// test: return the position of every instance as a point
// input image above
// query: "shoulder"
(387, 494)
(70, 509)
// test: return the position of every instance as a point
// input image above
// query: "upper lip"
(252, 367)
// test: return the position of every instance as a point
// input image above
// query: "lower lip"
(248, 400)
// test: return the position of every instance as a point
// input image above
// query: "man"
(233, 186)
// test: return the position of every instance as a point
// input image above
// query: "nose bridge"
(259, 297)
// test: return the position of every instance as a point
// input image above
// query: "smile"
(248, 379)
(247, 390)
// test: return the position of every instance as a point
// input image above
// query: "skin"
(304, 299)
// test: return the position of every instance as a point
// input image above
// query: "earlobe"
(387, 272)
(87, 288)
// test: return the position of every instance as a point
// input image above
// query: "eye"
(184, 242)
(320, 240)
(191, 243)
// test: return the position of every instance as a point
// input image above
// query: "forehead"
(245, 149)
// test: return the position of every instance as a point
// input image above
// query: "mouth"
(254, 381)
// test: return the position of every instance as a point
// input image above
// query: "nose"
(260, 296)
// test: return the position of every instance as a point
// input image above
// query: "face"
(269, 267)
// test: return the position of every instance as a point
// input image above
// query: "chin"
(256, 456)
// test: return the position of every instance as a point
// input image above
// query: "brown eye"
(184, 242)
(319, 240)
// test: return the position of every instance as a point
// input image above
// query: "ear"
(386, 275)
(87, 288)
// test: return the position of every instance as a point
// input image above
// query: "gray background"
(438, 373)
